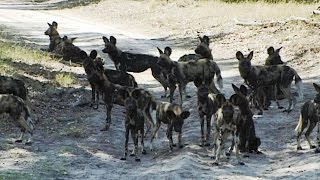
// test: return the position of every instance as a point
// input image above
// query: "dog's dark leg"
(312, 124)
(165, 92)
(147, 116)
(288, 95)
(142, 141)
(108, 119)
(219, 145)
(202, 129)
(180, 140)
(275, 92)
(29, 141)
(154, 134)
(135, 140)
(172, 88)
(237, 141)
(318, 136)
(93, 96)
(181, 89)
(208, 117)
(19, 140)
(318, 139)
(126, 143)
(169, 136)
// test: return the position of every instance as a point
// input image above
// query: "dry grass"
(65, 79)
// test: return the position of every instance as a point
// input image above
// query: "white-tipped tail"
(220, 83)
(299, 86)
(299, 126)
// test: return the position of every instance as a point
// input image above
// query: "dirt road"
(72, 147)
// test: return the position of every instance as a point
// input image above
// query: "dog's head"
(240, 99)
(274, 57)
(317, 88)
(174, 113)
(52, 30)
(109, 44)
(244, 62)
(203, 48)
(164, 60)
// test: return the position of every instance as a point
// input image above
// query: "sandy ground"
(68, 143)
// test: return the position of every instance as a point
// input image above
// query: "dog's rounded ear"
(235, 99)
(185, 114)
(72, 39)
(244, 90)
(270, 50)
(93, 54)
(239, 55)
(200, 38)
(236, 89)
(136, 93)
(316, 87)
(83, 54)
(54, 24)
(113, 40)
(278, 50)
(171, 114)
(206, 40)
(250, 56)
(160, 51)
(167, 51)
(105, 39)
(220, 99)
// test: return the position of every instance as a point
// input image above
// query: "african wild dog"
(54, 36)
(131, 62)
(93, 75)
(99, 83)
(173, 116)
(10, 85)
(225, 125)
(274, 57)
(62, 47)
(208, 104)
(134, 124)
(68, 50)
(144, 99)
(19, 112)
(249, 142)
(202, 51)
(309, 117)
(116, 77)
(185, 72)
(278, 75)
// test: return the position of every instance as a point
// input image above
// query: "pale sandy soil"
(68, 143)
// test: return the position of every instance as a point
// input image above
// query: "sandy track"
(96, 154)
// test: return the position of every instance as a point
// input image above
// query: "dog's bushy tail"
(219, 77)
(27, 123)
(298, 129)
(299, 84)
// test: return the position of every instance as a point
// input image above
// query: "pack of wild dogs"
(229, 118)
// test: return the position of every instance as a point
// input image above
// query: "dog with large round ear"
(243, 90)
(164, 60)
(235, 99)
(113, 40)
